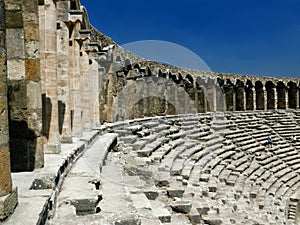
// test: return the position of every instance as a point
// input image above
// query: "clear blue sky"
(257, 37)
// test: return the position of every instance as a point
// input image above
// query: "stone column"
(121, 81)
(86, 91)
(75, 84)
(111, 91)
(161, 90)
(63, 81)
(94, 93)
(297, 98)
(49, 73)
(275, 98)
(150, 87)
(170, 98)
(139, 100)
(180, 100)
(8, 196)
(211, 95)
(286, 97)
(233, 99)
(254, 98)
(102, 94)
(245, 100)
(265, 98)
(25, 105)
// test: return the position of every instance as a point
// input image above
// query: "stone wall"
(65, 77)
(24, 89)
(8, 196)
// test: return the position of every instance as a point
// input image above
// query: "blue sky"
(256, 37)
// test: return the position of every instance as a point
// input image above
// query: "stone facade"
(8, 196)
(64, 78)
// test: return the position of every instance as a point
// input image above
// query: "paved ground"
(31, 202)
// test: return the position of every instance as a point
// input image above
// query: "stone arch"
(118, 58)
(260, 98)
(189, 78)
(127, 64)
(281, 94)
(249, 95)
(239, 96)
(179, 78)
(173, 77)
(158, 100)
(292, 94)
(270, 88)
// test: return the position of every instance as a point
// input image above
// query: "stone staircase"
(200, 169)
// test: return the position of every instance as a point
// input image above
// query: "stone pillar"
(148, 82)
(8, 196)
(245, 100)
(121, 109)
(86, 91)
(25, 105)
(265, 98)
(102, 94)
(94, 93)
(161, 92)
(170, 98)
(111, 91)
(233, 99)
(211, 96)
(63, 81)
(139, 99)
(254, 98)
(75, 84)
(49, 77)
(224, 100)
(286, 97)
(131, 92)
(275, 98)
(297, 98)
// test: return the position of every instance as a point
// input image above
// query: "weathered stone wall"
(8, 196)
(23, 62)
(65, 77)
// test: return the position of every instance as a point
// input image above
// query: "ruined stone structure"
(61, 77)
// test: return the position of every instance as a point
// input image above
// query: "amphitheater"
(92, 134)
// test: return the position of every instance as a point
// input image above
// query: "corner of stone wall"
(8, 203)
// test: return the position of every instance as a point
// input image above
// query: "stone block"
(13, 5)
(32, 69)
(151, 194)
(8, 203)
(30, 17)
(15, 43)
(5, 178)
(16, 69)
(34, 95)
(32, 49)
(128, 220)
(18, 96)
(2, 17)
(14, 19)
(30, 6)
(39, 153)
(175, 192)
(52, 148)
(181, 206)
(31, 31)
